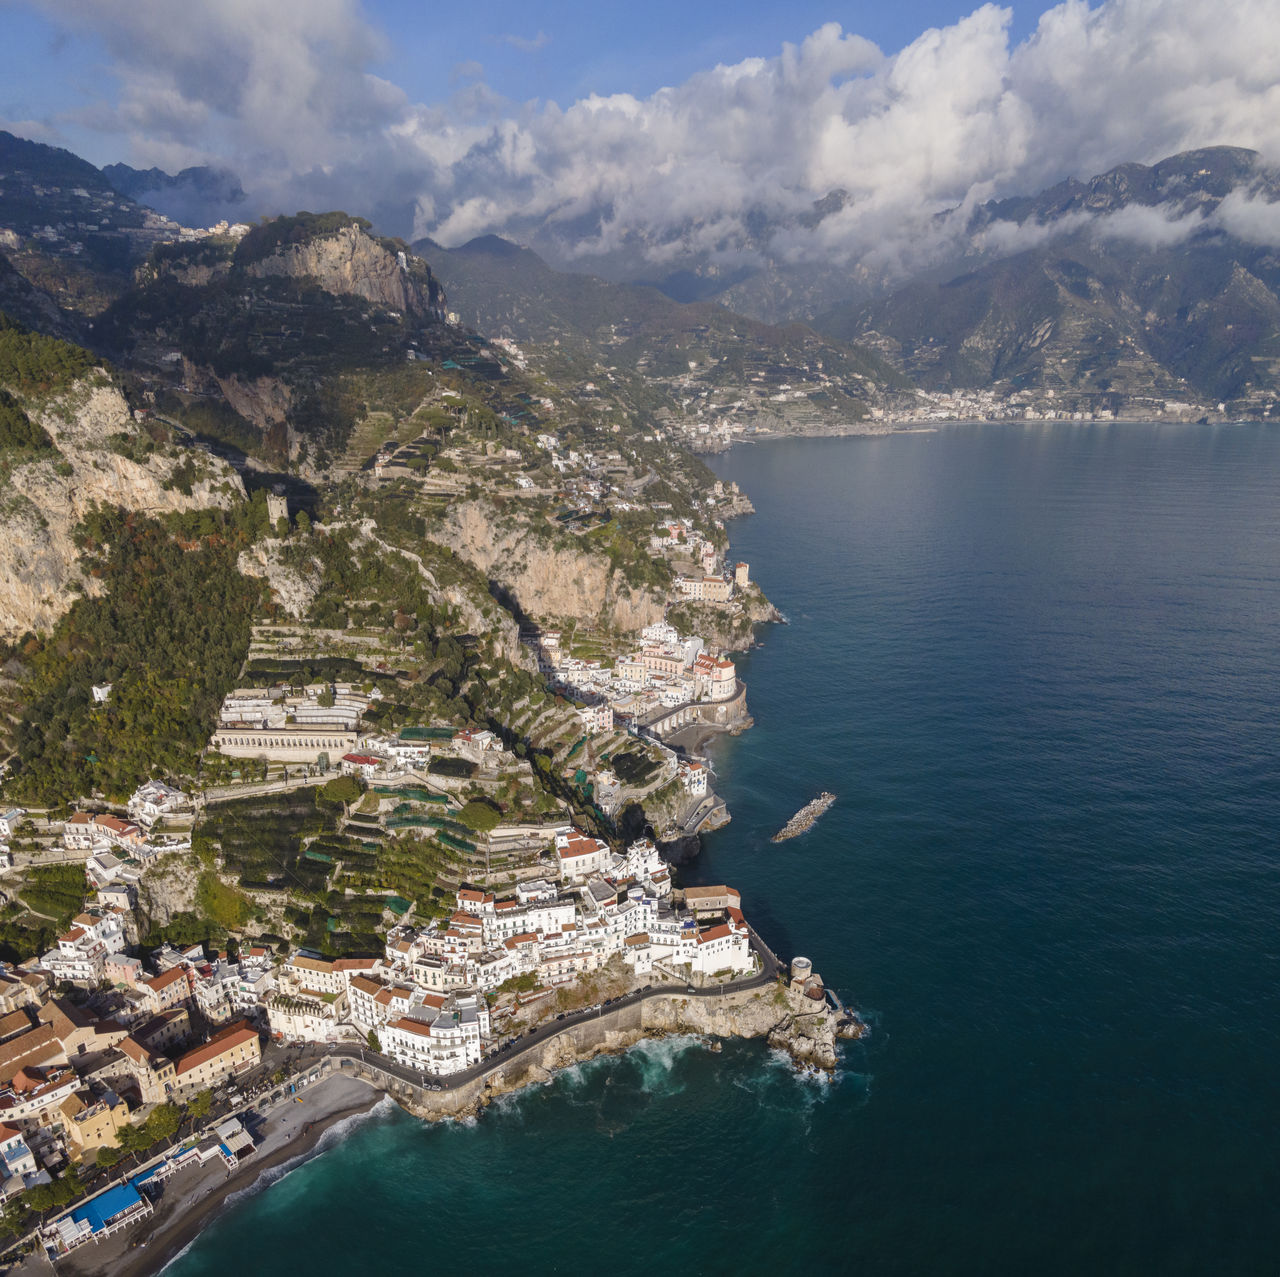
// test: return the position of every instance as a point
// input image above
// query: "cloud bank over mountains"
(727, 163)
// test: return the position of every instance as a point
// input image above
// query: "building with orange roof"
(233, 1050)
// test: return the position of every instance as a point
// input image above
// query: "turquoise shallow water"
(1038, 667)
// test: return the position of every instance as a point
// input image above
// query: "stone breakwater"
(805, 818)
(784, 1016)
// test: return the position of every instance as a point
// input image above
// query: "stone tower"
(277, 507)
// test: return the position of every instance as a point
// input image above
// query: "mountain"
(268, 326)
(1192, 181)
(195, 197)
(67, 231)
(1132, 288)
(270, 455)
(693, 361)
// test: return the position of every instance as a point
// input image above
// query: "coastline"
(194, 1197)
(292, 1132)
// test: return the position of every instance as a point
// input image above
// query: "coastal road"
(770, 969)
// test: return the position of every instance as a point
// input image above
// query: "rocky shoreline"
(795, 1017)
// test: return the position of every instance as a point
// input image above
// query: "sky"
(657, 129)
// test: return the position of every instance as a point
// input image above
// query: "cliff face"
(169, 888)
(544, 579)
(348, 261)
(43, 500)
(293, 588)
(778, 1015)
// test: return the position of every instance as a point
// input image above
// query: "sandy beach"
(190, 1200)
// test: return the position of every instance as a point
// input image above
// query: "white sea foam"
(331, 1137)
(180, 1254)
(657, 1059)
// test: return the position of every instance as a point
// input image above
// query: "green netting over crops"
(458, 844)
(417, 795)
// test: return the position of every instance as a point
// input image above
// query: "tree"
(163, 1123)
(200, 1105)
(374, 1045)
(132, 1139)
(341, 789)
(480, 815)
(303, 523)
(11, 1219)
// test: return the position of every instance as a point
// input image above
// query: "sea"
(1038, 666)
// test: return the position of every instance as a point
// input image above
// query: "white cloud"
(283, 94)
(1254, 220)
(526, 44)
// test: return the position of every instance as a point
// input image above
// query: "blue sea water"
(1038, 666)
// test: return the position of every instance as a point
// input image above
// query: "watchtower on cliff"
(277, 507)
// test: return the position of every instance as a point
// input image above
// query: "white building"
(441, 1041)
(580, 857)
(295, 1018)
(362, 765)
(154, 800)
(723, 949)
(693, 775)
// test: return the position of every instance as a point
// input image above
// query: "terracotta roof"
(14, 1022)
(123, 828)
(22, 1080)
(162, 981)
(232, 1036)
(715, 933)
(33, 1047)
(416, 1027)
(354, 964)
(365, 984)
(135, 1051)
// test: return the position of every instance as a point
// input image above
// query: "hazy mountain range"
(1157, 281)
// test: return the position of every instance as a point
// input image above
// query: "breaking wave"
(329, 1138)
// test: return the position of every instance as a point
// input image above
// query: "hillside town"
(94, 1035)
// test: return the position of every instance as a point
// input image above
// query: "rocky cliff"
(169, 888)
(544, 577)
(787, 1020)
(42, 500)
(349, 261)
